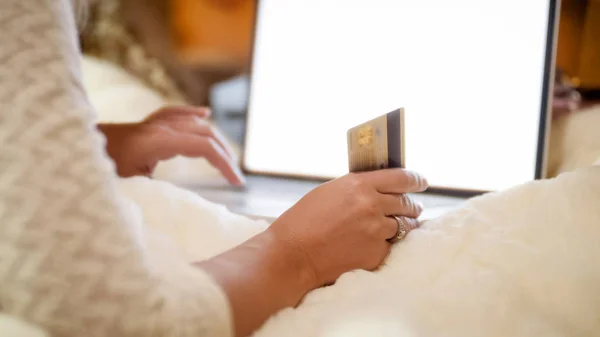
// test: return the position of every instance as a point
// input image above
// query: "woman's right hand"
(344, 224)
(339, 226)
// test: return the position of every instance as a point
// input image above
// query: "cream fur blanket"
(523, 262)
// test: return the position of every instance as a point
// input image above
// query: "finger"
(396, 181)
(200, 127)
(408, 224)
(219, 159)
(178, 111)
(412, 223)
(390, 228)
(191, 145)
(400, 205)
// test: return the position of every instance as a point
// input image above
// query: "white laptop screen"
(472, 76)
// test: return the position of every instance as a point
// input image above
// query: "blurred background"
(192, 51)
(578, 52)
(148, 53)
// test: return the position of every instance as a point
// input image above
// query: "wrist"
(113, 134)
(119, 140)
(291, 259)
(266, 259)
(260, 277)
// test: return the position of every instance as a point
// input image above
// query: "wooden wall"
(589, 62)
(213, 33)
(578, 51)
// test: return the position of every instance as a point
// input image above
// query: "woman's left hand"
(136, 148)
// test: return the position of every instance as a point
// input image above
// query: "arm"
(71, 259)
(261, 277)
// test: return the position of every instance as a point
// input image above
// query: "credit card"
(378, 143)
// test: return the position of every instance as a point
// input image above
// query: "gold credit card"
(378, 143)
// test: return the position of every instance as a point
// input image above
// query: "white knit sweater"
(71, 259)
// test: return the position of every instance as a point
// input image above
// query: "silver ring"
(402, 230)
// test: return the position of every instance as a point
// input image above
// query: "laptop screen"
(471, 75)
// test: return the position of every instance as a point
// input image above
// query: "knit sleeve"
(72, 261)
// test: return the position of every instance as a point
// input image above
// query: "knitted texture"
(72, 258)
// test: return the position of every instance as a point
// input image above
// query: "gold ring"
(402, 230)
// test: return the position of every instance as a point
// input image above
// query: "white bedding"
(575, 141)
(524, 262)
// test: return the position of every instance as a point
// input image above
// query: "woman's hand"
(136, 148)
(344, 224)
(338, 227)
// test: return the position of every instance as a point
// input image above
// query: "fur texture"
(522, 262)
(13, 327)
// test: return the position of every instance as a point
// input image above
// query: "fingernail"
(422, 182)
(425, 183)
(240, 175)
(418, 179)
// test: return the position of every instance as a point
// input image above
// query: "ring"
(402, 230)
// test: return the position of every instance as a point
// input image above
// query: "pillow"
(522, 262)
(574, 141)
(117, 96)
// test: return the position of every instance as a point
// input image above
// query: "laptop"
(473, 76)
